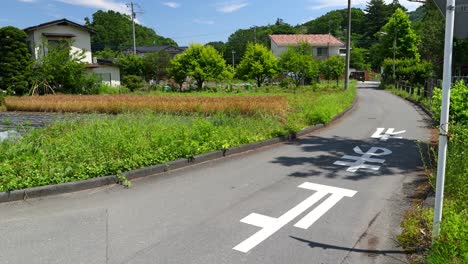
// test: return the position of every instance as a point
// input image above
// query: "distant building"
(142, 50)
(323, 45)
(59, 31)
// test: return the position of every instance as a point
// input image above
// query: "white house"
(55, 32)
(323, 45)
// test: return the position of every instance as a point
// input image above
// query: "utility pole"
(131, 5)
(233, 61)
(255, 34)
(348, 45)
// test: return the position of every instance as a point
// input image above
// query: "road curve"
(299, 202)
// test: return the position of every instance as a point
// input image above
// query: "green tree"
(333, 68)
(219, 46)
(107, 54)
(399, 38)
(114, 31)
(258, 63)
(15, 61)
(130, 64)
(155, 65)
(335, 22)
(201, 63)
(377, 15)
(299, 61)
(359, 57)
(431, 29)
(60, 70)
(177, 70)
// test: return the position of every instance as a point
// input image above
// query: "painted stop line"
(270, 225)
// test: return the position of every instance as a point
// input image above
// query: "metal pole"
(394, 55)
(348, 45)
(444, 117)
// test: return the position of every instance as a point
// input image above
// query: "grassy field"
(104, 145)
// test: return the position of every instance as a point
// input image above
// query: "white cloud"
(27, 1)
(203, 22)
(320, 4)
(171, 4)
(99, 4)
(231, 6)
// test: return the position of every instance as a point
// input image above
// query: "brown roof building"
(323, 45)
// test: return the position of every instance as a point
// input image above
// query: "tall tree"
(114, 31)
(377, 15)
(15, 61)
(258, 63)
(399, 38)
(431, 30)
(201, 63)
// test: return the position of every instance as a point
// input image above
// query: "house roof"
(313, 39)
(147, 49)
(62, 22)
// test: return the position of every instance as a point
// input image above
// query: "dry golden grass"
(168, 104)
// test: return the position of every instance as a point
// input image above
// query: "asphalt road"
(308, 208)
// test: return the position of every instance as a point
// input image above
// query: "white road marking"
(389, 134)
(359, 161)
(270, 225)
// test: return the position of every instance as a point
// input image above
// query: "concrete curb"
(69, 187)
(421, 106)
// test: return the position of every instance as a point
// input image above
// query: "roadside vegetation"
(100, 145)
(246, 105)
(452, 245)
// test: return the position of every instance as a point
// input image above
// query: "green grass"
(105, 145)
(452, 243)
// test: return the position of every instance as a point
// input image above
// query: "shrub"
(133, 82)
(411, 70)
(458, 103)
(287, 83)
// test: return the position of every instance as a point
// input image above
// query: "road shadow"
(321, 153)
(371, 252)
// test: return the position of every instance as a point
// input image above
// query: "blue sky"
(185, 21)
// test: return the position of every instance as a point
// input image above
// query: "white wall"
(113, 70)
(81, 41)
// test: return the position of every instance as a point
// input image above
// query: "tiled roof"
(313, 39)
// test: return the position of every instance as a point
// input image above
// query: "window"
(322, 51)
(57, 43)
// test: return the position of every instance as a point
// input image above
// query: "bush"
(287, 83)
(411, 70)
(133, 82)
(458, 103)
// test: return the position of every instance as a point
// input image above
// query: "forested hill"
(114, 31)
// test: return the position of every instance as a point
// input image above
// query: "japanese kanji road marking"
(359, 161)
(389, 134)
(270, 225)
